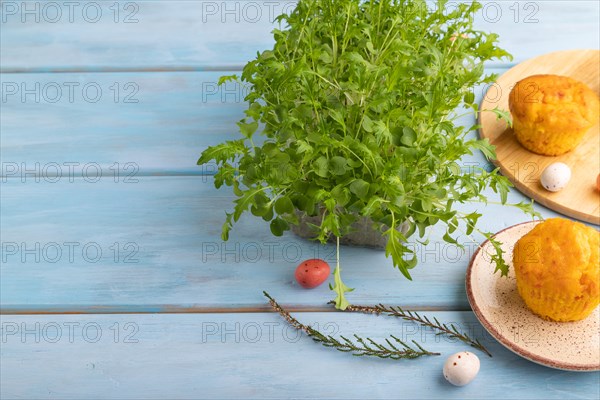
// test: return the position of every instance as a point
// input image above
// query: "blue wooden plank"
(153, 123)
(161, 250)
(168, 256)
(253, 356)
(136, 34)
(142, 123)
(224, 33)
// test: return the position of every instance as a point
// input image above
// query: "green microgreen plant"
(356, 105)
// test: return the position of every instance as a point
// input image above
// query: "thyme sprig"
(393, 348)
(443, 329)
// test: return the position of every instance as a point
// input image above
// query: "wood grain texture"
(154, 123)
(254, 356)
(146, 33)
(163, 33)
(158, 123)
(580, 199)
(174, 225)
(182, 266)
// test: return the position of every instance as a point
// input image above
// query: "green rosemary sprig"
(393, 348)
(413, 316)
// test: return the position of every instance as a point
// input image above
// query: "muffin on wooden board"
(558, 270)
(552, 113)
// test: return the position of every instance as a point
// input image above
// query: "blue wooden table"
(114, 280)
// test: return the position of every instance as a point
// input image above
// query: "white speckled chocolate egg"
(461, 368)
(556, 176)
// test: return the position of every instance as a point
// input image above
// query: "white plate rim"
(503, 339)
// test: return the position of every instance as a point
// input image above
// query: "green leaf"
(236, 188)
(268, 214)
(501, 114)
(484, 145)
(469, 97)
(341, 195)
(396, 136)
(304, 147)
(367, 124)
(527, 208)
(278, 226)
(471, 220)
(411, 263)
(284, 205)
(397, 250)
(247, 129)
(360, 188)
(409, 136)
(222, 152)
(338, 117)
(227, 78)
(497, 256)
(372, 205)
(449, 239)
(226, 227)
(321, 167)
(242, 203)
(338, 165)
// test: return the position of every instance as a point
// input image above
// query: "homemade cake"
(552, 113)
(558, 270)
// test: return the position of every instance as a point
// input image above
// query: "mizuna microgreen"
(358, 103)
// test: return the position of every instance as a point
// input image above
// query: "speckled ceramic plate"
(572, 346)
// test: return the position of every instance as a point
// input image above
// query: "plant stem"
(339, 287)
(393, 347)
(406, 315)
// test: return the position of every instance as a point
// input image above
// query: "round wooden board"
(580, 199)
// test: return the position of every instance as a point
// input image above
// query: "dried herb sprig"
(443, 329)
(393, 348)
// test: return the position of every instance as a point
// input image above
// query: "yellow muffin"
(558, 270)
(552, 113)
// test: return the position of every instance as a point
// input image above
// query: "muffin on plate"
(558, 270)
(552, 113)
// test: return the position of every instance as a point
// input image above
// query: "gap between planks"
(169, 309)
